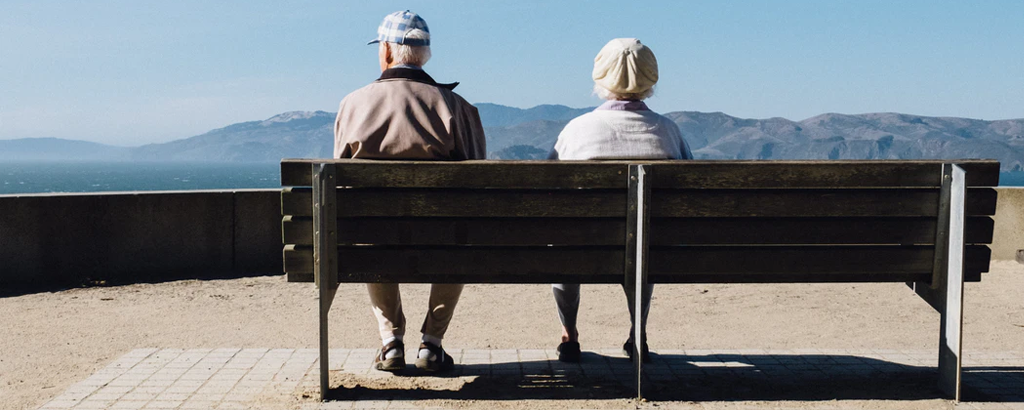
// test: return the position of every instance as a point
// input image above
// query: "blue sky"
(135, 72)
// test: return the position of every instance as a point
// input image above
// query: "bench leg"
(326, 297)
(325, 256)
(952, 288)
(946, 291)
(637, 222)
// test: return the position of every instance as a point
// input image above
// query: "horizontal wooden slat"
(969, 276)
(297, 201)
(294, 252)
(595, 203)
(464, 231)
(453, 265)
(816, 174)
(466, 174)
(810, 263)
(808, 231)
(779, 264)
(300, 277)
(811, 202)
(611, 231)
(611, 174)
(384, 202)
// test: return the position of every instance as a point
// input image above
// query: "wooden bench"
(925, 223)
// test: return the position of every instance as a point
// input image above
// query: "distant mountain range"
(514, 133)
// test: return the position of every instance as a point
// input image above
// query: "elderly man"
(405, 114)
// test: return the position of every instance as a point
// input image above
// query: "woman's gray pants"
(567, 299)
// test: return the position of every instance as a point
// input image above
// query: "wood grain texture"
(465, 231)
(476, 265)
(611, 174)
(816, 174)
(611, 231)
(810, 202)
(765, 264)
(436, 202)
(467, 174)
(773, 204)
(819, 260)
(808, 231)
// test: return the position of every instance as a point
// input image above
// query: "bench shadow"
(684, 378)
(1003, 384)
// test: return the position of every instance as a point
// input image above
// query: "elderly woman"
(625, 72)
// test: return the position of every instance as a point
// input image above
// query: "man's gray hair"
(604, 94)
(411, 55)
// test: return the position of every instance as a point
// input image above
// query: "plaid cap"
(399, 24)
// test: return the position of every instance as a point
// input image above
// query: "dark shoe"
(627, 349)
(569, 352)
(442, 363)
(381, 362)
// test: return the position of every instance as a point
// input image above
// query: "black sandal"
(645, 352)
(569, 352)
(443, 363)
(381, 362)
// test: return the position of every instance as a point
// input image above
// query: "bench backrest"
(565, 221)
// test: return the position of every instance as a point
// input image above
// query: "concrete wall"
(49, 241)
(1008, 236)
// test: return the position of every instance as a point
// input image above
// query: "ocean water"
(41, 177)
(1011, 178)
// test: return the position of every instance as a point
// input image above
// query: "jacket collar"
(623, 105)
(412, 74)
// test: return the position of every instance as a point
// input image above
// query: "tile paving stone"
(172, 397)
(136, 396)
(234, 378)
(94, 404)
(232, 405)
(159, 404)
(128, 405)
(106, 396)
(198, 404)
(59, 404)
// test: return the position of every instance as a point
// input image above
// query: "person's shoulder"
(366, 92)
(461, 104)
(458, 98)
(582, 125)
(586, 119)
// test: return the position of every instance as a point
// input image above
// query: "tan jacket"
(406, 115)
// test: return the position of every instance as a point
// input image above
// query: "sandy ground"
(50, 340)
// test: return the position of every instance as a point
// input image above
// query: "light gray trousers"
(567, 299)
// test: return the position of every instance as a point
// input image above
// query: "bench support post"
(946, 291)
(951, 329)
(637, 222)
(325, 255)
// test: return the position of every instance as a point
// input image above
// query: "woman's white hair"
(604, 94)
(411, 55)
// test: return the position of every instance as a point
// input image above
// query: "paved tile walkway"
(287, 378)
